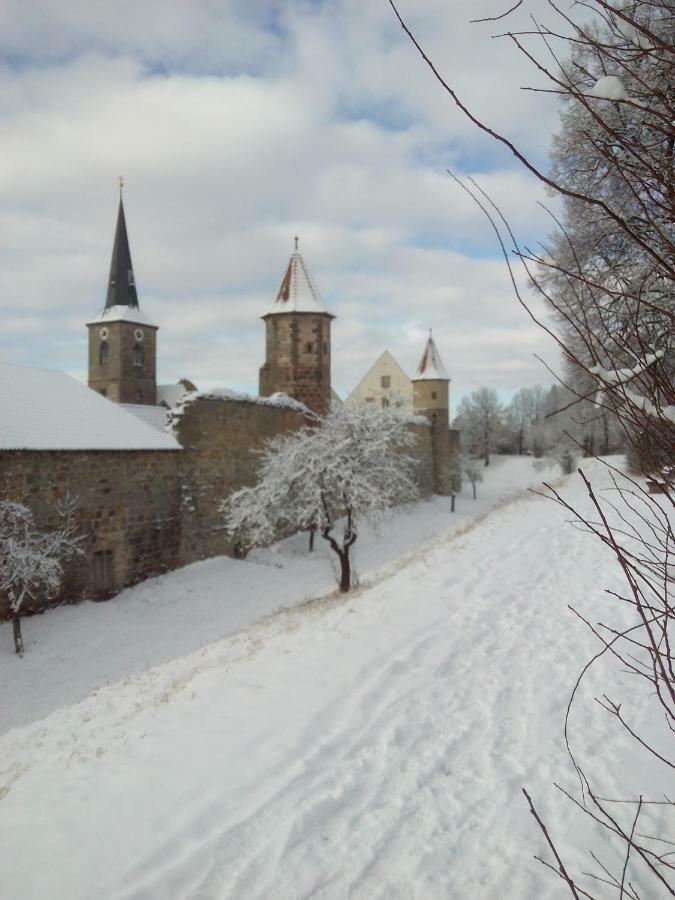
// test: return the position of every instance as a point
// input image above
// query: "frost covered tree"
(525, 411)
(608, 273)
(479, 418)
(354, 465)
(31, 560)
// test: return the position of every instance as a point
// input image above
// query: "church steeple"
(121, 282)
(122, 340)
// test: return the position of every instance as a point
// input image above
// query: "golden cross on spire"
(296, 239)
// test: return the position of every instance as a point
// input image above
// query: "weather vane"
(121, 182)
(296, 239)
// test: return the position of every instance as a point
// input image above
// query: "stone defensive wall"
(145, 512)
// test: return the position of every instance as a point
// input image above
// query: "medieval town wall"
(146, 512)
(128, 512)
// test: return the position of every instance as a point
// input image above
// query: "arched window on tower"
(103, 353)
(138, 355)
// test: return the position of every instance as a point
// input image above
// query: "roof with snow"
(155, 416)
(122, 314)
(42, 409)
(297, 292)
(170, 395)
(431, 367)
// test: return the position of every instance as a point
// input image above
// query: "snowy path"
(368, 748)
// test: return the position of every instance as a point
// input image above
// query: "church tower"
(122, 341)
(430, 399)
(297, 360)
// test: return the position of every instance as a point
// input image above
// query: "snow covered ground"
(72, 651)
(369, 746)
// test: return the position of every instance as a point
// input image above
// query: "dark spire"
(121, 283)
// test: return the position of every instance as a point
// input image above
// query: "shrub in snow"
(472, 469)
(352, 466)
(31, 561)
(566, 458)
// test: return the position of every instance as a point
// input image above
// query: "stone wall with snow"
(147, 511)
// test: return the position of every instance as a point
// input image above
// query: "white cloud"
(237, 126)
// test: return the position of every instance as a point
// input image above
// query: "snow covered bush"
(31, 561)
(352, 466)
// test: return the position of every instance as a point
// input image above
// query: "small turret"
(297, 359)
(123, 341)
(430, 399)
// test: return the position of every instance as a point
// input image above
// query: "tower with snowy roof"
(431, 399)
(122, 340)
(297, 358)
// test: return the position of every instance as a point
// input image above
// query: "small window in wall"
(385, 402)
(370, 399)
(103, 353)
(103, 570)
(385, 381)
(309, 347)
(433, 395)
(138, 355)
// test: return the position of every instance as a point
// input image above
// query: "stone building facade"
(149, 500)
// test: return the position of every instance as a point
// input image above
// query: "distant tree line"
(539, 421)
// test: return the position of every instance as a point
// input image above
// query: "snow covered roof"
(42, 409)
(170, 395)
(155, 416)
(297, 291)
(431, 367)
(122, 314)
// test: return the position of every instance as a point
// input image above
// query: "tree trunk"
(452, 502)
(16, 629)
(473, 485)
(345, 571)
(487, 457)
(312, 532)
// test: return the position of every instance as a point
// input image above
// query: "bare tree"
(608, 274)
(479, 417)
(354, 465)
(31, 561)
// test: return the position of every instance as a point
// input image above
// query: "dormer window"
(103, 353)
(138, 355)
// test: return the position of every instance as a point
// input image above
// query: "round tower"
(122, 340)
(431, 399)
(297, 358)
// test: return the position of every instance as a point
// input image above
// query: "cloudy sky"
(238, 124)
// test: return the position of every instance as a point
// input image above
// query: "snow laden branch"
(354, 465)
(31, 560)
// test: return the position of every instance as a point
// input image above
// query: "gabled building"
(384, 384)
